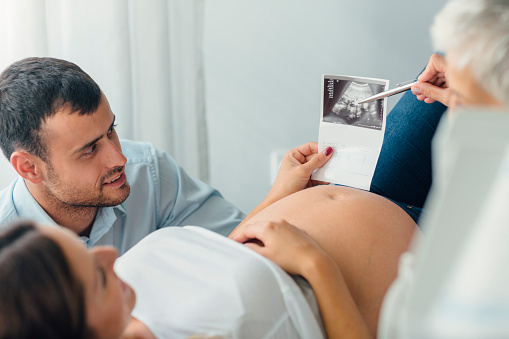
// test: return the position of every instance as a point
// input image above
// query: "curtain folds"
(146, 56)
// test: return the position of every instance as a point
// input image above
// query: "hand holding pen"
(429, 87)
(432, 85)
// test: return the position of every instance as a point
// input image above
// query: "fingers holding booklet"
(296, 168)
(354, 131)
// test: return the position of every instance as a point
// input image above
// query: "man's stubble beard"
(68, 198)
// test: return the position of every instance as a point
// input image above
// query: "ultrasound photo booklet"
(354, 131)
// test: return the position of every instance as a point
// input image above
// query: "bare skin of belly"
(363, 232)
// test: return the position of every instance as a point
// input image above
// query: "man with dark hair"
(58, 131)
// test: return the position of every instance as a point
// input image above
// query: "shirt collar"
(104, 220)
(28, 208)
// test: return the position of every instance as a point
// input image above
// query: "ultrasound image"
(343, 107)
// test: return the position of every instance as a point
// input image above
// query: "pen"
(398, 89)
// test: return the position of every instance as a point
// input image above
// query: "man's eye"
(90, 150)
(112, 129)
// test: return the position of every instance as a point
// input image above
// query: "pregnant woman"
(189, 282)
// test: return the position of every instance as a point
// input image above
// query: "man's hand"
(432, 84)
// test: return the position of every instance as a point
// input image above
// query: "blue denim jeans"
(403, 171)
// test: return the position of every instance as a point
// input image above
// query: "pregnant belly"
(325, 209)
(363, 232)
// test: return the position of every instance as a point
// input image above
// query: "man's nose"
(115, 156)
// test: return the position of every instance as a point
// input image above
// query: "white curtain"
(145, 54)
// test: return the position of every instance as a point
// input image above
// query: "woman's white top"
(193, 282)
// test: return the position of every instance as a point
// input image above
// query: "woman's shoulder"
(185, 276)
(197, 246)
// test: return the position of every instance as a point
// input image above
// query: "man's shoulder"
(145, 153)
(7, 208)
(137, 150)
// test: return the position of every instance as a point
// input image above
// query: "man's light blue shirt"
(162, 195)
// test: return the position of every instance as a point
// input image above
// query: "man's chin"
(127, 190)
(122, 195)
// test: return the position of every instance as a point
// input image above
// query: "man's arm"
(183, 200)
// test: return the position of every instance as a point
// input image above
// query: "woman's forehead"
(76, 254)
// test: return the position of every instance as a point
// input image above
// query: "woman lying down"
(191, 282)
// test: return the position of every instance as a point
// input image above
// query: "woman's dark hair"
(39, 295)
(34, 89)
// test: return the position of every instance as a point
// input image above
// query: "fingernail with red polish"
(327, 151)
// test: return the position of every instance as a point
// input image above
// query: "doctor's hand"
(286, 245)
(296, 168)
(432, 84)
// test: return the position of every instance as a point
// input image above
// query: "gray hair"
(476, 34)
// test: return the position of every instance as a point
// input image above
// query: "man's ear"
(27, 165)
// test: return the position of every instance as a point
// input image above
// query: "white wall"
(263, 62)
